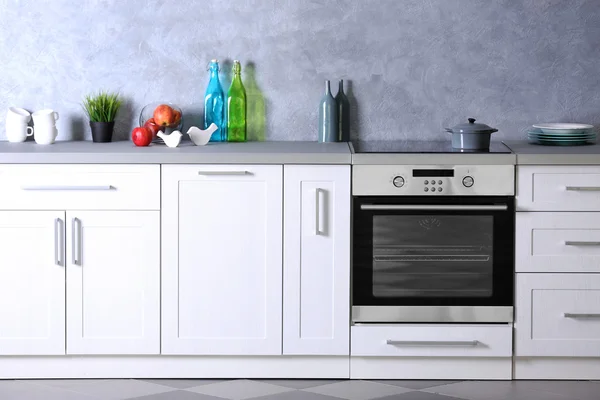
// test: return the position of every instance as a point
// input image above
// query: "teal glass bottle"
(236, 107)
(328, 117)
(214, 102)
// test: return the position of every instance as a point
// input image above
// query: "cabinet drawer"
(557, 242)
(558, 188)
(80, 187)
(432, 341)
(558, 315)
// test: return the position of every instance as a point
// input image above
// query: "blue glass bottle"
(214, 101)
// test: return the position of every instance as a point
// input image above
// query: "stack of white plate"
(557, 134)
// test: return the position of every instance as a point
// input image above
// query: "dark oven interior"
(463, 256)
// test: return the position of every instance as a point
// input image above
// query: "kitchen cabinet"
(316, 268)
(32, 283)
(222, 259)
(558, 315)
(113, 282)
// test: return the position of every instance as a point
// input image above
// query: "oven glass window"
(432, 256)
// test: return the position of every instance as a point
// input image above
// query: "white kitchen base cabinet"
(222, 259)
(32, 283)
(558, 315)
(316, 267)
(113, 282)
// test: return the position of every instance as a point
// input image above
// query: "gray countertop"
(534, 154)
(124, 152)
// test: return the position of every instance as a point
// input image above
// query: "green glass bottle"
(236, 107)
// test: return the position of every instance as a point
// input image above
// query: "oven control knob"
(468, 181)
(398, 181)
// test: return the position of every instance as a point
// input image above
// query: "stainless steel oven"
(433, 244)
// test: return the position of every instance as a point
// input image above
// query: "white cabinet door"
(316, 281)
(557, 242)
(558, 315)
(113, 282)
(32, 283)
(221, 259)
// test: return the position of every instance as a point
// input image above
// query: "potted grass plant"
(102, 109)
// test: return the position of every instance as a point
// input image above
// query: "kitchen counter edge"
(124, 152)
(532, 154)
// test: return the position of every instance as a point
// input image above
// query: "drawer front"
(558, 188)
(80, 187)
(557, 242)
(432, 341)
(558, 315)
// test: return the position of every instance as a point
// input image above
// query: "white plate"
(554, 126)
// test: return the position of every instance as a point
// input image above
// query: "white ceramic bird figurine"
(201, 137)
(171, 140)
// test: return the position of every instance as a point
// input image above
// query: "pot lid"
(471, 127)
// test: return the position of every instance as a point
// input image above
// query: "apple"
(177, 118)
(154, 128)
(141, 136)
(164, 115)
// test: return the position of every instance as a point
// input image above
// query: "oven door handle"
(432, 207)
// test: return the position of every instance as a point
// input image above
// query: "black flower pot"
(102, 131)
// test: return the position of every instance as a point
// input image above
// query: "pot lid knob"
(471, 120)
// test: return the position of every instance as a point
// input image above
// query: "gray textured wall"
(414, 65)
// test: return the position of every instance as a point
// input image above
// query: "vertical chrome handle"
(59, 241)
(317, 212)
(76, 241)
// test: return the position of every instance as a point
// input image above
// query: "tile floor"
(239, 389)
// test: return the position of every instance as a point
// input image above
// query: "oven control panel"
(442, 180)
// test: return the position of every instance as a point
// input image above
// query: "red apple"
(164, 115)
(154, 128)
(141, 136)
(177, 118)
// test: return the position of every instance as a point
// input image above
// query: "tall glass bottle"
(214, 102)
(236, 107)
(343, 106)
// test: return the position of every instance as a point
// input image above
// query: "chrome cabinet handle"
(581, 316)
(76, 241)
(583, 188)
(225, 173)
(431, 207)
(576, 243)
(439, 343)
(317, 212)
(67, 188)
(59, 241)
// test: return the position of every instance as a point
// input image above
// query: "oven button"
(439, 189)
(426, 182)
(426, 189)
(433, 189)
(439, 182)
(468, 181)
(398, 181)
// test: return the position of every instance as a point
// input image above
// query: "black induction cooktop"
(416, 146)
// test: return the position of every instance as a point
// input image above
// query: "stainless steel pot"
(471, 136)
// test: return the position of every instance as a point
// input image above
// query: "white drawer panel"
(558, 188)
(557, 242)
(80, 187)
(407, 340)
(558, 315)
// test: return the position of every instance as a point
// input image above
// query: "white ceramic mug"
(18, 115)
(45, 134)
(17, 132)
(45, 117)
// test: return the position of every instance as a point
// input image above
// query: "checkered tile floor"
(239, 389)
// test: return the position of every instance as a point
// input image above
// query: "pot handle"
(448, 130)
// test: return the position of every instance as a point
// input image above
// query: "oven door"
(426, 259)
